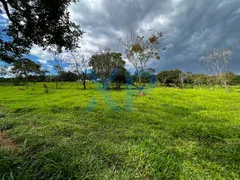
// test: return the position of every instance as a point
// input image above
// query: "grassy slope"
(169, 134)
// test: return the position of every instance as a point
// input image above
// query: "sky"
(190, 28)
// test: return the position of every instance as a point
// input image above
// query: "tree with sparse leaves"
(138, 50)
(80, 65)
(183, 77)
(58, 66)
(42, 22)
(216, 62)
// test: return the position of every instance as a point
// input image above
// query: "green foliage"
(162, 138)
(104, 63)
(68, 76)
(235, 80)
(173, 78)
(42, 22)
(11, 50)
(25, 66)
(121, 77)
(170, 78)
(146, 76)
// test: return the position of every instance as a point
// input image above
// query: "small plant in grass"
(45, 88)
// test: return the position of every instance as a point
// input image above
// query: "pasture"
(71, 133)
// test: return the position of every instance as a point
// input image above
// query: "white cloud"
(238, 11)
(42, 61)
(40, 53)
(6, 72)
(191, 27)
(4, 16)
(50, 66)
(69, 68)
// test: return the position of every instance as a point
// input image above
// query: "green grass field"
(75, 134)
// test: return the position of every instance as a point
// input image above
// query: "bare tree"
(216, 62)
(80, 64)
(138, 50)
(58, 65)
(182, 77)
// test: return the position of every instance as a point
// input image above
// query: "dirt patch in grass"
(6, 142)
(141, 94)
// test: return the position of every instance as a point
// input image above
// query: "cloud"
(69, 68)
(4, 16)
(43, 55)
(169, 46)
(50, 66)
(5, 71)
(42, 61)
(190, 27)
(3, 20)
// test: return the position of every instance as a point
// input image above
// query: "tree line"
(170, 78)
(178, 78)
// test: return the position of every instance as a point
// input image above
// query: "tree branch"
(5, 6)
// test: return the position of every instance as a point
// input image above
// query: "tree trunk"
(57, 83)
(139, 80)
(106, 86)
(26, 80)
(225, 85)
(84, 85)
(84, 80)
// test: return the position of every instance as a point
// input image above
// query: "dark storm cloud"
(190, 27)
(202, 26)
